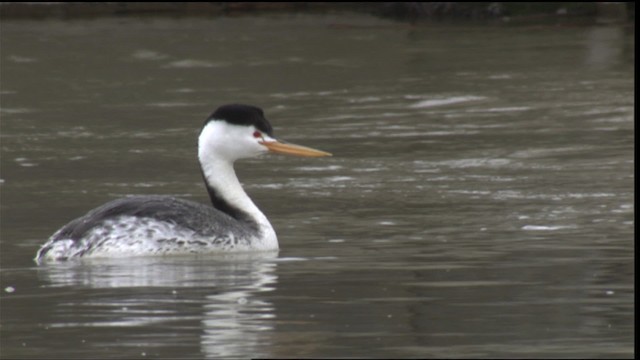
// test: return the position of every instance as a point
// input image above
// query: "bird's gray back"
(203, 219)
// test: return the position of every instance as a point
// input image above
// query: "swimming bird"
(163, 225)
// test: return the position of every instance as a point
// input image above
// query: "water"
(480, 200)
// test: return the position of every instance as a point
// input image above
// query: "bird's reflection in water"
(236, 323)
(217, 296)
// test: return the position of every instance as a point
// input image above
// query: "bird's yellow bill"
(291, 149)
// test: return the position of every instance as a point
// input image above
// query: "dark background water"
(480, 200)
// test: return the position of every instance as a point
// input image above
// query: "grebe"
(158, 225)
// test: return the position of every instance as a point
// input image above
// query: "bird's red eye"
(257, 134)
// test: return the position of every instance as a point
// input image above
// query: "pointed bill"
(292, 149)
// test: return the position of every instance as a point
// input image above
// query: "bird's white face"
(221, 140)
(227, 141)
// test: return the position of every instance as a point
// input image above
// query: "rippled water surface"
(480, 200)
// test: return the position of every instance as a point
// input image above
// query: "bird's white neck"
(231, 198)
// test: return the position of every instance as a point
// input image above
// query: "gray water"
(479, 203)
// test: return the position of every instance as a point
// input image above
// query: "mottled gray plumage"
(206, 225)
(205, 220)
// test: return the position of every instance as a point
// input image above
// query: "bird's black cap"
(240, 114)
